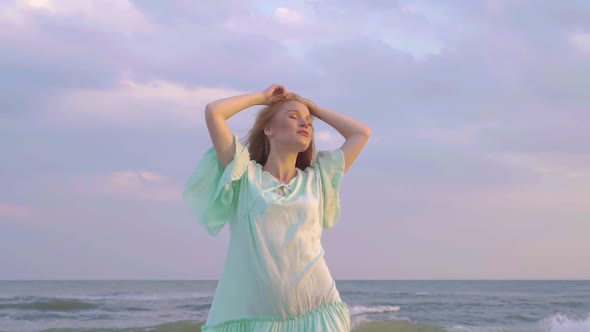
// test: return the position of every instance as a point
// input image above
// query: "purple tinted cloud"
(479, 114)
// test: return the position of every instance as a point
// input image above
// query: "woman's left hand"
(274, 93)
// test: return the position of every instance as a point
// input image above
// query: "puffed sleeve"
(211, 191)
(330, 169)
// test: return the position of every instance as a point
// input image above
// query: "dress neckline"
(274, 178)
(281, 182)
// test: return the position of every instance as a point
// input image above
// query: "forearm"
(343, 124)
(228, 107)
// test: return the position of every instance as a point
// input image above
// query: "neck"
(281, 165)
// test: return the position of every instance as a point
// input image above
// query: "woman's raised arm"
(356, 134)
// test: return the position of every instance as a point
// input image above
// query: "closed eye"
(293, 116)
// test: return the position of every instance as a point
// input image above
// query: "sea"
(384, 305)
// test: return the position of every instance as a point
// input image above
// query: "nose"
(303, 124)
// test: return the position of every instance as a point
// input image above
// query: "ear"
(267, 131)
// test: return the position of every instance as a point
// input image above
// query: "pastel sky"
(478, 167)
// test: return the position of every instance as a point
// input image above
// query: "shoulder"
(328, 159)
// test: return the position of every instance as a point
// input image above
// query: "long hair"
(259, 145)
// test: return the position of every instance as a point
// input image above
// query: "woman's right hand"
(274, 93)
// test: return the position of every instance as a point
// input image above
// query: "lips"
(303, 132)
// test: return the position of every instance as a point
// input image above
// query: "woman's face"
(291, 127)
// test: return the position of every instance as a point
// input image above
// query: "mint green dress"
(275, 277)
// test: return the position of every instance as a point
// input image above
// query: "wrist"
(258, 98)
(319, 112)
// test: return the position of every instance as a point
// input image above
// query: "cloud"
(326, 138)
(464, 135)
(549, 195)
(288, 16)
(130, 184)
(581, 41)
(120, 16)
(544, 165)
(10, 17)
(544, 136)
(38, 4)
(323, 136)
(68, 45)
(201, 13)
(135, 104)
(496, 7)
(525, 86)
(411, 28)
(83, 47)
(15, 210)
(475, 106)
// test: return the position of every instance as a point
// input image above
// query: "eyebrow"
(296, 111)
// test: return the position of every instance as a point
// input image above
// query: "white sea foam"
(555, 323)
(562, 323)
(355, 321)
(360, 310)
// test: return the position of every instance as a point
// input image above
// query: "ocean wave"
(568, 303)
(360, 310)
(521, 318)
(113, 296)
(563, 323)
(138, 297)
(50, 305)
(181, 326)
(554, 323)
(196, 307)
(178, 326)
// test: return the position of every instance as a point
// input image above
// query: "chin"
(300, 146)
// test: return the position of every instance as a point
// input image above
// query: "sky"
(478, 166)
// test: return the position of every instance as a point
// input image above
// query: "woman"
(276, 198)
